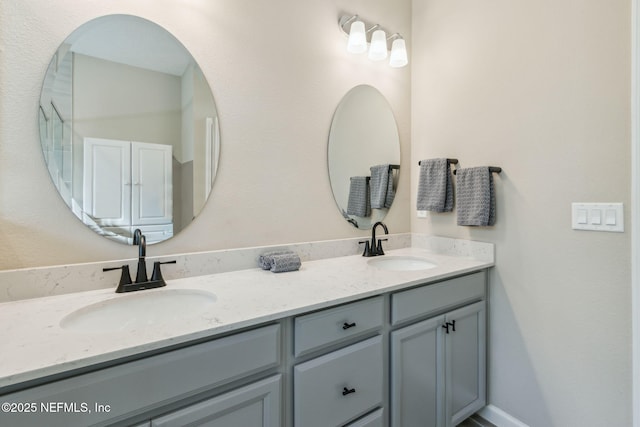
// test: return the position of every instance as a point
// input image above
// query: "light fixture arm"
(375, 27)
(346, 20)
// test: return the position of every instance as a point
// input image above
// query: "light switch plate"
(599, 217)
(422, 214)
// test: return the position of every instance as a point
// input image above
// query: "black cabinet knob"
(346, 391)
(348, 325)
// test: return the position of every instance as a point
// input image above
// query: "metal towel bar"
(493, 169)
(450, 161)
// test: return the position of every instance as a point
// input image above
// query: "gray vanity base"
(395, 359)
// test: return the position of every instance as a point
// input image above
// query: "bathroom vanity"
(339, 343)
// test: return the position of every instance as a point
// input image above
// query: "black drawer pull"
(346, 325)
(346, 391)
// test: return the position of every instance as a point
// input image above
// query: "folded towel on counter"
(359, 197)
(435, 186)
(382, 192)
(279, 261)
(266, 259)
(475, 197)
(285, 262)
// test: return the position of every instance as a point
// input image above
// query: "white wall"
(541, 89)
(277, 70)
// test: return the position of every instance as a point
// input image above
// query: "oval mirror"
(364, 156)
(129, 129)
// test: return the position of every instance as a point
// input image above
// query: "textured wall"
(541, 89)
(277, 69)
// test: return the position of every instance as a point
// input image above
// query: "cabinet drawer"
(374, 419)
(154, 381)
(428, 299)
(255, 405)
(340, 386)
(316, 330)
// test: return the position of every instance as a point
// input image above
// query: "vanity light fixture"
(357, 37)
(378, 48)
(377, 45)
(398, 52)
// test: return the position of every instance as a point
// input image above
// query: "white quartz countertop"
(35, 345)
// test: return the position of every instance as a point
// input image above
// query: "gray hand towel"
(285, 262)
(359, 198)
(475, 197)
(382, 192)
(435, 186)
(266, 259)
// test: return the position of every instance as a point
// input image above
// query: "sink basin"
(401, 263)
(143, 309)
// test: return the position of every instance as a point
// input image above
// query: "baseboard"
(500, 418)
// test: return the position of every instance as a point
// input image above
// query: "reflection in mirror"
(129, 129)
(364, 156)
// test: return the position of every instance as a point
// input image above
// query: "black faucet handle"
(125, 278)
(379, 248)
(156, 276)
(367, 248)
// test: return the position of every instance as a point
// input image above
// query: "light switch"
(597, 216)
(582, 216)
(422, 214)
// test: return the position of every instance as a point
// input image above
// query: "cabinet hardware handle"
(346, 391)
(347, 325)
(451, 325)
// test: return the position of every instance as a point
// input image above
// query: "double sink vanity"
(393, 340)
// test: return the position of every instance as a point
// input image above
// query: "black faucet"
(375, 247)
(142, 280)
(140, 240)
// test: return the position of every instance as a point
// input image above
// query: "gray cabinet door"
(255, 405)
(417, 380)
(465, 368)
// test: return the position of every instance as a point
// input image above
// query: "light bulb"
(357, 38)
(398, 54)
(378, 49)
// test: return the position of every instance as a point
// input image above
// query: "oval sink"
(143, 309)
(401, 263)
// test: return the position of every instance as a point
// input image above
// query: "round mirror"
(129, 129)
(364, 156)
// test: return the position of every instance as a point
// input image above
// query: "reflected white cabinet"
(127, 185)
(107, 181)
